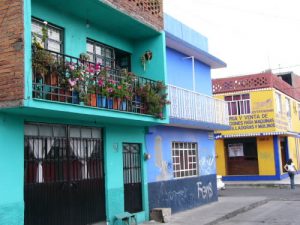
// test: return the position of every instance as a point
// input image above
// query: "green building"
(79, 88)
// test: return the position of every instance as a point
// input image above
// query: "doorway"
(132, 177)
(64, 176)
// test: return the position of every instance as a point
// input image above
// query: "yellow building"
(264, 117)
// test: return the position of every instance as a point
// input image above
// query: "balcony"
(76, 81)
(192, 109)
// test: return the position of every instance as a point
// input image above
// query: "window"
(238, 104)
(102, 54)
(278, 103)
(54, 41)
(288, 107)
(298, 111)
(185, 159)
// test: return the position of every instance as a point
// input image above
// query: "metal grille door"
(64, 178)
(132, 178)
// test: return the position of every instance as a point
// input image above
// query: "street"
(282, 206)
(245, 206)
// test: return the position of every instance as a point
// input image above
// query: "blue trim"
(276, 156)
(283, 176)
(249, 178)
(197, 124)
(287, 152)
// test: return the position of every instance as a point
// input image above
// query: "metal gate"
(64, 177)
(132, 178)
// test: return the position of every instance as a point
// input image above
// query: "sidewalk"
(225, 207)
(210, 214)
(284, 183)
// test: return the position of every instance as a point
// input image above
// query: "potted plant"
(155, 98)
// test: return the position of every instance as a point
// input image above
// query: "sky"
(250, 36)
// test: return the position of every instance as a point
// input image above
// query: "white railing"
(190, 105)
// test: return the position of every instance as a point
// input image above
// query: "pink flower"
(119, 87)
(72, 82)
(101, 83)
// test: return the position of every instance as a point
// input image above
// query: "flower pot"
(81, 103)
(64, 95)
(110, 103)
(93, 100)
(124, 105)
(99, 101)
(117, 103)
(75, 97)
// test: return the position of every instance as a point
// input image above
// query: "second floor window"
(102, 54)
(278, 103)
(288, 107)
(54, 41)
(238, 104)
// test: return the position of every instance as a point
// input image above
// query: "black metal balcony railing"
(62, 78)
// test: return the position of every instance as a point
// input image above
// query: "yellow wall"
(261, 118)
(221, 160)
(293, 151)
(265, 154)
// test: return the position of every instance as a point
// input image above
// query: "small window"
(288, 107)
(278, 103)
(54, 41)
(185, 159)
(238, 104)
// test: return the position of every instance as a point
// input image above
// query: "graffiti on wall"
(159, 162)
(207, 165)
(205, 191)
(182, 194)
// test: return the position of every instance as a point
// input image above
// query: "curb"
(238, 211)
(262, 185)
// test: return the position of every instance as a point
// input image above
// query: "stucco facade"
(270, 124)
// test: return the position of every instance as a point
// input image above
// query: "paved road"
(281, 209)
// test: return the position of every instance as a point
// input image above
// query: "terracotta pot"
(93, 100)
(117, 103)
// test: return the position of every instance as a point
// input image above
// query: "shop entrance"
(283, 151)
(241, 154)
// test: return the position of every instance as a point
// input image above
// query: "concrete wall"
(11, 170)
(179, 70)
(160, 173)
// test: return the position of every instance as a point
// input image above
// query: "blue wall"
(179, 72)
(185, 33)
(11, 170)
(183, 194)
(179, 194)
(159, 145)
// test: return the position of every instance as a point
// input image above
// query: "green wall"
(12, 165)
(115, 136)
(11, 170)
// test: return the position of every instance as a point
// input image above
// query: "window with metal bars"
(58, 153)
(54, 41)
(238, 104)
(185, 159)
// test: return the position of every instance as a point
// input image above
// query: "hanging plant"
(146, 57)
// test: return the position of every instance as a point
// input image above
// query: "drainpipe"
(193, 70)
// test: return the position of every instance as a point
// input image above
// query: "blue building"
(182, 167)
